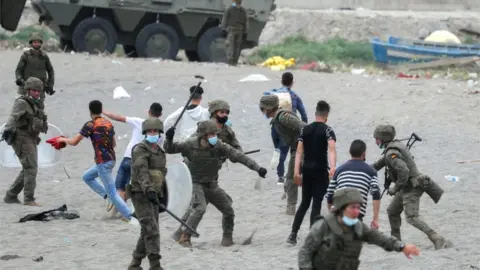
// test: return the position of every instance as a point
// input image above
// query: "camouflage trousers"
(290, 188)
(25, 148)
(234, 46)
(211, 193)
(148, 243)
(410, 203)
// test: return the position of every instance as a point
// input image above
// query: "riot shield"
(47, 155)
(179, 186)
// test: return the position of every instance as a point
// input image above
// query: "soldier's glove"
(49, 90)
(170, 133)
(7, 135)
(262, 172)
(19, 82)
(391, 191)
(153, 197)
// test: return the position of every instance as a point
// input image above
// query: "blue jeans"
(278, 143)
(104, 171)
(123, 174)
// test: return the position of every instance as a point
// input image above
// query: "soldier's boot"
(438, 241)
(227, 240)
(154, 260)
(292, 238)
(11, 199)
(135, 264)
(291, 209)
(31, 203)
(185, 240)
(177, 234)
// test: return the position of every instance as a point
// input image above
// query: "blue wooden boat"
(398, 50)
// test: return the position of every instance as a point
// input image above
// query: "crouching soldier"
(204, 151)
(335, 241)
(22, 131)
(147, 190)
(410, 185)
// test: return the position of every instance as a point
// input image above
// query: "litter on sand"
(278, 63)
(120, 93)
(452, 178)
(255, 78)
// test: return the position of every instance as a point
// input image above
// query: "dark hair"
(287, 78)
(198, 93)
(95, 107)
(323, 108)
(357, 148)
(156, 109)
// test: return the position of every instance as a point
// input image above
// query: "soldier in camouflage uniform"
(22, 131)
(204, 151)
(147, 190)
(289, 126)
(35, 63)
(235, 26)
(335, 241)
(410, 185)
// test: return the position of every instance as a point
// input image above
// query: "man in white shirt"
(123, 174)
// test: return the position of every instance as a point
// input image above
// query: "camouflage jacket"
(35, 63)
(227, 135)
(148, 168)
(330, 245)
(27, 118)
(289, 126)
(204, 160)
(235, 19)
(401, 165)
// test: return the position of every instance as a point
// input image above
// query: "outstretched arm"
(116, 117)
(237, 156)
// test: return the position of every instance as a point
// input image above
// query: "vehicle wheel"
(130, 51)
(158, 40)
(211, 46)
(10, 13)
(192, 56)
(94, 35)
(66, 45)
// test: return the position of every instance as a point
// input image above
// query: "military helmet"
(205, 127)
(218, 105)
(34, 83)
(269, 102)
(35, 36)
(345, 196)
(152, 123)
(384, 133)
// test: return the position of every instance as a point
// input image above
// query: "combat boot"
(154, 260)
(177, 234)
(438, 241)
(292, 238)
(31, 203)
(185, 240)
(291, 209)
(135, 264)
(227, 240)
(10, 199)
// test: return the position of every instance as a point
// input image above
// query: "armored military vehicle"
(10, 13)
(149, 28)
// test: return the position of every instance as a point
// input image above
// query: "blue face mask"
(348, 221)
(228, 123)
(212, 140)
(152, 138)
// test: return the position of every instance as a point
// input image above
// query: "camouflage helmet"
(152, 123)
(35, 36)
(34, 83)
(218, 105)
(205, 127)
(345, 196)
(384, 133)
(269, 102)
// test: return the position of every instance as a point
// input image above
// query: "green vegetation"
(334, 51)
(22, 35)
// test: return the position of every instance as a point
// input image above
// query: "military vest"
(340, 249)
(203, 163)
(36, 66)
(236, 19)
(406, 157)
(288, 135)
(34, 121)
(157, 166)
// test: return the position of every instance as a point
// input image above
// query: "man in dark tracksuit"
(235, 25)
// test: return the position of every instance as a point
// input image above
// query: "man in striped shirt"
(356, 173)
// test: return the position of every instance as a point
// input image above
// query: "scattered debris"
(403, 75)
(116, 62)
(255, 78)
(452, 178)
(278, 63)
(248, 241)
(147, 88)
(39, 259)
(120, 93)
(317, 66)
(357, 71)
(9, 257)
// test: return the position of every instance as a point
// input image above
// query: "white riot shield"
(179, 185)
(47, 155)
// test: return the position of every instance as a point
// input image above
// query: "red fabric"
(55, 144)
